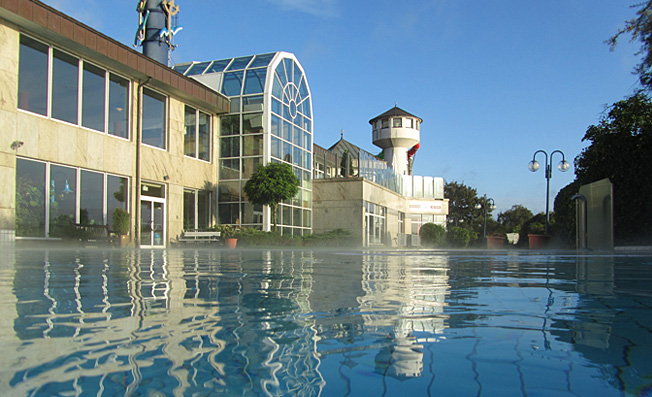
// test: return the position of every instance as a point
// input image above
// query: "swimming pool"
(218, 322)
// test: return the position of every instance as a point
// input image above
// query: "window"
(230, 147)
(33, 76)
(30, 198)
(65, 80)
(196, 137)
(230, 125)
(385, 123)
(91, 204)
(93, 95)
(153, 119)
(397, 122)
(196, 209)
(66, 99)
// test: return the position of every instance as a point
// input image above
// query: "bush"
(250, 237)
(335, 238)
(121, 222)
(458, 237)
(432, 235)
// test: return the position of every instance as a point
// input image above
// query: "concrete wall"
(8, 98)
(338, 204)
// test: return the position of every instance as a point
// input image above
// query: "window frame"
(166, 111)
(198, 113)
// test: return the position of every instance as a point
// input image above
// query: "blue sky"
(494, 81)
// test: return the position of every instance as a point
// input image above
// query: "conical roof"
(394, 112)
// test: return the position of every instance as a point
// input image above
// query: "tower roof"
(394, 112)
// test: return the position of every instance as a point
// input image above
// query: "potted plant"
(496, 240)
(121, 226)
(537, 237)
(227, 232)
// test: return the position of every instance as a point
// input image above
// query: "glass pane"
(230, 125)
(286, 131)
(63, 186)
(188, 210)
(276, 106)
(65, 80)
(296, 216)
(146, 222)
(276, 148)
(306, 200)
(252, 145)
(117, 196)
(252, 123)
(235, 104)
(252, 104)
(297, 156)
(306, 108)
(204, 136)
(217, 66)
(190, 132)
(229, 191)
(252, 214)
(303, 88)
(280, 72)
(288, 69)
(250, 165)
(287, 152)
(296, 135)
(230, 169)
(276, 126)
(306, 141)
(152, 190)
(91, 210)
(33, 76)
(93, 96)
(255, 82)
(240, 63)
(30, 198)
(153, 119)
(262, 60)
(203, 209)
(306, 218)
(118, 106)
(287, 216)
(197, 68)
(277, 90)
(397, 122)
(182, 67)
(232, 84)
(297, 74)
(230, 147)
(229, 213)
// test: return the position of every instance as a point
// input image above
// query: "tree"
(462, 211)
(512, 220)
(641, 29)
(620, 149)
(432, 234)
(271, 184)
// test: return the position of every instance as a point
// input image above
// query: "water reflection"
(302, 323)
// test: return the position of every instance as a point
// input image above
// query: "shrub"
(334, 238)
(121, 222)
(432, 235)
(458, 237)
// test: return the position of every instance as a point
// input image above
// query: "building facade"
(89, 125)
(270, 120)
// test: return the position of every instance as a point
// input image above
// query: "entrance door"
(152, 222)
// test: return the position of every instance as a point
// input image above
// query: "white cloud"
(322, 8)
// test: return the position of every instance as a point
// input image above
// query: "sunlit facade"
(270, 121)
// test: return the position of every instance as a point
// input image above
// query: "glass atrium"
(270, 121)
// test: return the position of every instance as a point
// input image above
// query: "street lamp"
(534, 167)
(485, 204)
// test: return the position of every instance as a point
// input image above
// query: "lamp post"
(485, 204)
(534, 167)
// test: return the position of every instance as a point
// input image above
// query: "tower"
(397, 133)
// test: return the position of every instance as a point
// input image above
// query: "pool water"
(376, 323)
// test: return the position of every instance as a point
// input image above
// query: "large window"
(97, 100)
(33, 76)
(197, 134)
(153, 119)
(50, 198)
(196, 209)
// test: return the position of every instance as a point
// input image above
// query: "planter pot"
(494, 242)
(538, 241)
(123, 240)
(231, 242)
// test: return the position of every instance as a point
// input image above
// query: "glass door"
(152, 222)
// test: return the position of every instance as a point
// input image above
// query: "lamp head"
(563, 166)
(533, 166)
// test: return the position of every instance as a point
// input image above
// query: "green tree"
(512, 220)
(620, 149)
(271, 184)
(640, 29)
(462, 207)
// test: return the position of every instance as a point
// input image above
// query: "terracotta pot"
(123, 240)
(231, 242)
(538, 241)
(494, 242)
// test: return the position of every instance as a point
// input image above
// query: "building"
(270, 120)
(90, 125)
(379, 201)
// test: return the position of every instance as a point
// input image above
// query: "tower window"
(397, 122)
